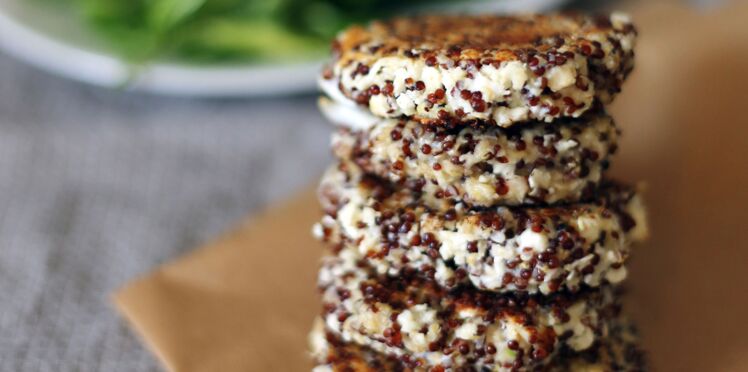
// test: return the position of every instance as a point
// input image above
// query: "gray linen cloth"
(98, 187)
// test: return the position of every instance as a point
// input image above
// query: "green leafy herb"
(227, 30)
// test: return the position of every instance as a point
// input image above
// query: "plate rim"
(101, 69)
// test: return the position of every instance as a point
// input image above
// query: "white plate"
(54, 40)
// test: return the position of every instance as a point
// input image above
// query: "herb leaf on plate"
(210, 31)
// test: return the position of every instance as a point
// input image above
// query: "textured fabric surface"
(98, 187)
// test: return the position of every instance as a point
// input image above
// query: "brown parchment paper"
(242, 303)
(246, 301)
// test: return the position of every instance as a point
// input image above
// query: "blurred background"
(133, 131)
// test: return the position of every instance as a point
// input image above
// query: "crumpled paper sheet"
(246, 301)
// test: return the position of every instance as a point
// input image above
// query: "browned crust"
(500, 38)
